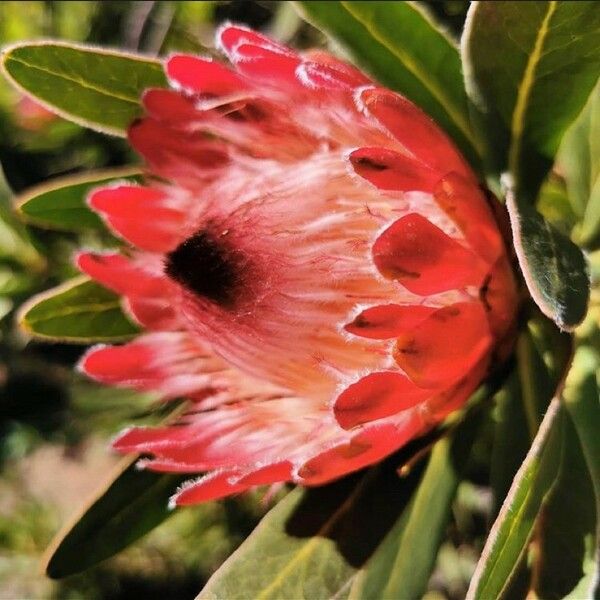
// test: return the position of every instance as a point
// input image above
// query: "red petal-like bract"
(317, 269)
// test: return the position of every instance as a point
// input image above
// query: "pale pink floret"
(320, 275)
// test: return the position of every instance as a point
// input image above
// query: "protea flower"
(317, 269)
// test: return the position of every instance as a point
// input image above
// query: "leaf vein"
(77, 81)
(524, 91)
(74, 310)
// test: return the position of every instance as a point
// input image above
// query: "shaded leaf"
(511, 440)
(96, 88)
(126, 507)
(554, 268)
(61, 203)
(519, 60)
(80, 311)
(403, 49)
(311, 544)
(402, 565)
(543, 353)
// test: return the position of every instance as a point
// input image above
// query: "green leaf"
(15, 243)
(554, 268)
(582, 400)
(534, 64)
(403, 49)
(402, 565)
(96, 88)
(542, 353)
(126, 507)
(312, 543)
(371, 535)
(13, 283)
(566, 530)
(535, 388)
(554, 205)
(79, 311)
(61, 203)
(578, 160)
(513, 527)
(511, 439)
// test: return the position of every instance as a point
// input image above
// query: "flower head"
(31, 115)
(317, 269)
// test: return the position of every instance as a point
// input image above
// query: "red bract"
(316, 266)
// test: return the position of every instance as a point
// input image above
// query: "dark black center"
(204, 265)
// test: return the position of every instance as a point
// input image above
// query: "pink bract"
(31, 115)
(316, 267)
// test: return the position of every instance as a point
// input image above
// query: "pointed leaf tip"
(93, 87)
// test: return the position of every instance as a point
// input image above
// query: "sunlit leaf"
(578, 161)
(542, 354)
(582, 400)
(15, 243)
(533, 64)
(513, 527)
(80, 311)
(93, 87)
(14, 282)
(61, 203)
(566, 534)
(554, 205)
